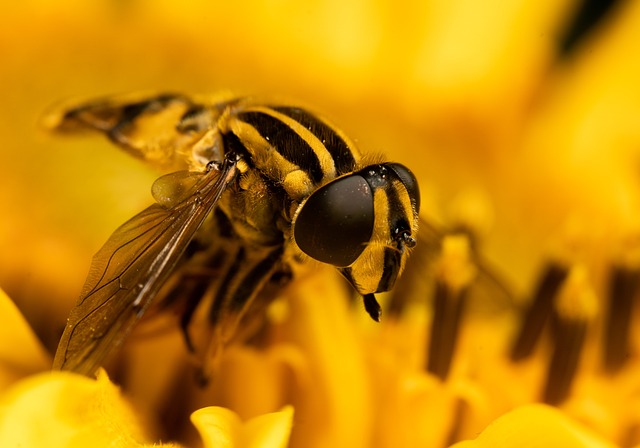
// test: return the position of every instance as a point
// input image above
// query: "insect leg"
(246, 277)
(196, 289)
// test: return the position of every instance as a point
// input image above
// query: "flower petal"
(20, 351)
(222, 428)
(335, 403)
(269, 430)
(218, 427)
(533, 426)
(60, 409)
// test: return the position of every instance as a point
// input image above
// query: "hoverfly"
(263, 186)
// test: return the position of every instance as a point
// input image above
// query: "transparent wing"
(130, 268)
(158, 129)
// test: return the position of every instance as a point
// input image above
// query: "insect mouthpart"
(372, 307)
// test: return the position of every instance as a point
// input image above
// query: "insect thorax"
(289, 152)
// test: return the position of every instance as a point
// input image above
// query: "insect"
(257, 187)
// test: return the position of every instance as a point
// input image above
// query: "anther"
(624, 285)
(574, 308)
(455, 274)
(539, 310)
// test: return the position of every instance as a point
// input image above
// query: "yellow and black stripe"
(290, 146)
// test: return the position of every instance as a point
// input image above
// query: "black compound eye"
(410, 182)
(336, 222)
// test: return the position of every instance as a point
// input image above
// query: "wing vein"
(127, 272)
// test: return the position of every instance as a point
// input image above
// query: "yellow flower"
(59, 409)
(543, 424)
(531, 147)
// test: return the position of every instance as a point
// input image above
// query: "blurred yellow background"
(536, 148)
(471, 97)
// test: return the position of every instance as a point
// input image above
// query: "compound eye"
(410, 182)
(336, 222)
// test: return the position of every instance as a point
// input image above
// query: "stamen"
(574, 308)
(456, 272)
(448, 306)
(539, 310)
(460, 412)
(624, 286)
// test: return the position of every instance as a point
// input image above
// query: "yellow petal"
(268, 376)
(269, 430)
(217, 426)
(406, 403)
(20, 351)
(222, 428)
(534, 426)
(335, 402)
(60, 409)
